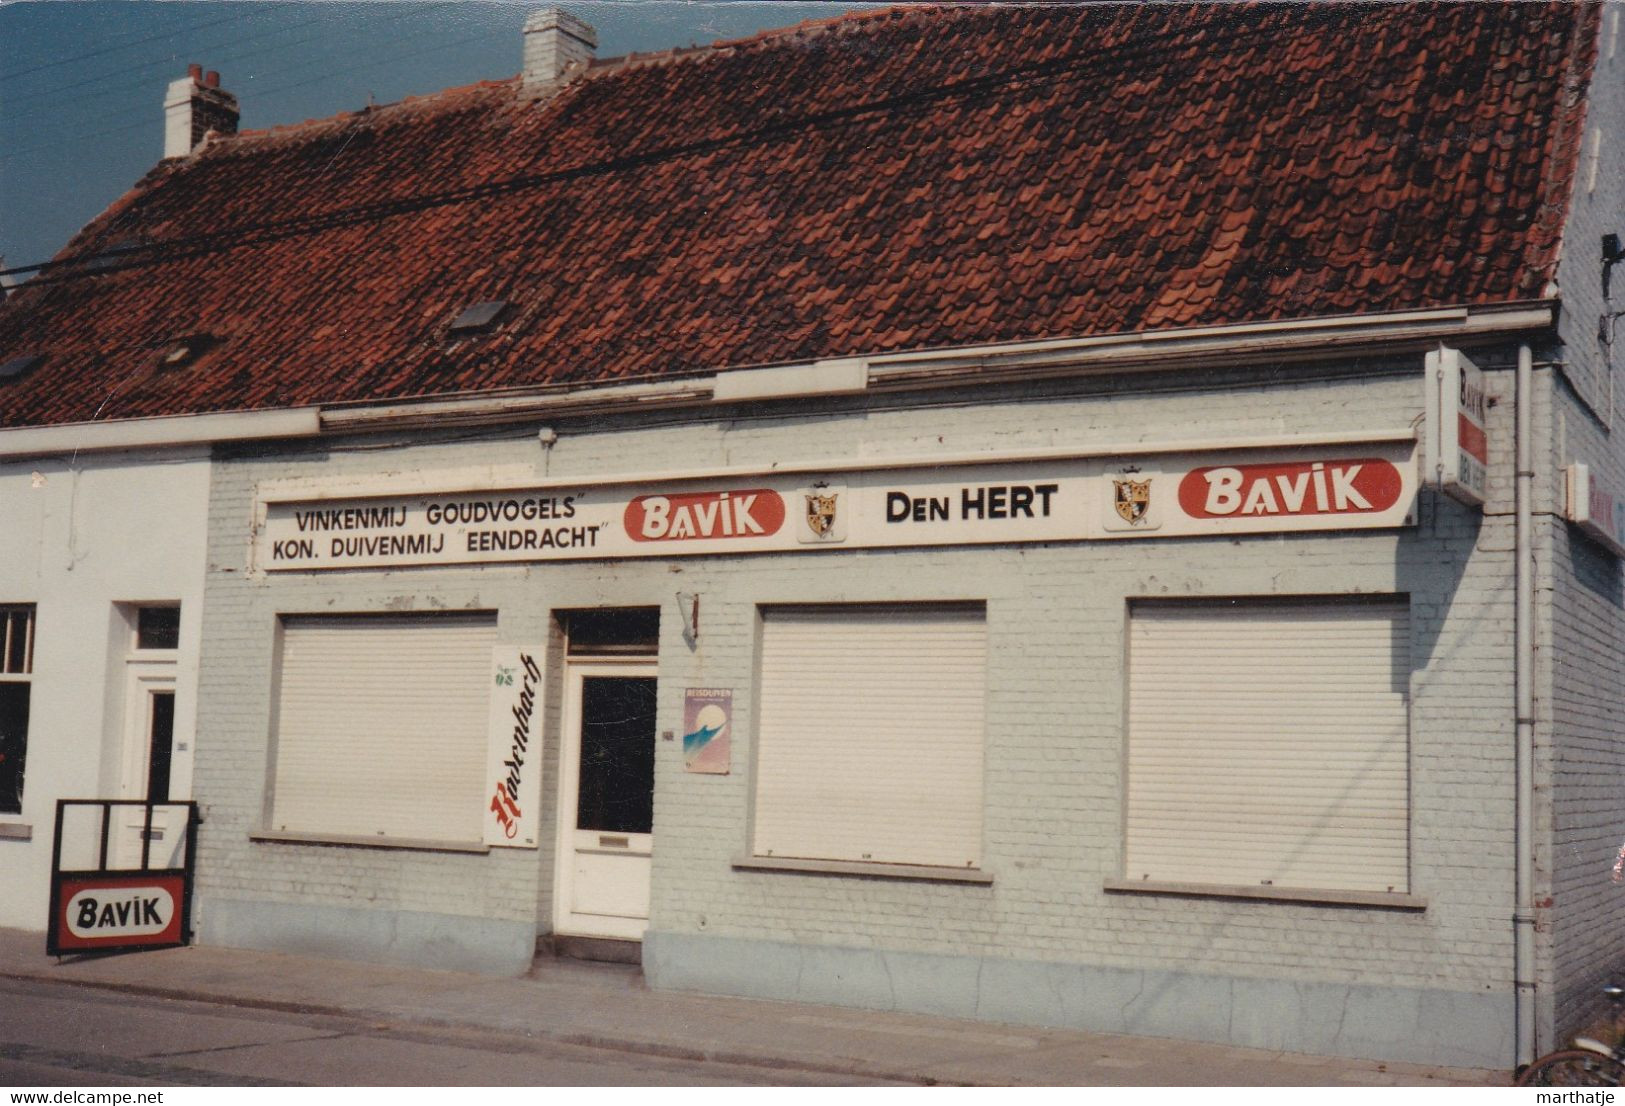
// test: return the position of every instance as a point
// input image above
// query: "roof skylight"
(182, 350)
(478, 317)
(16, 366)
(114, 255)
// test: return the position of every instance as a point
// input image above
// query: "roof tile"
(911, 178)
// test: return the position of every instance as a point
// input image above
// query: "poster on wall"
(708, 729)
(514, 751)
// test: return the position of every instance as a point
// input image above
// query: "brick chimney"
(196, 105)
(557, 45)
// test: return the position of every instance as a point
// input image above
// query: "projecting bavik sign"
(1457, 426)
(1141, 492)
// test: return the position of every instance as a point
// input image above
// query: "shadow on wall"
(1432, 562)
(1430, 565)
(1595, 569)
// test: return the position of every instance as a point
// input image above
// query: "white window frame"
(795, 827)
(19, 674)
(136, 650)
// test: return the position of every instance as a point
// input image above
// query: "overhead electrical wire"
(485, 35)
(1079, 65)
(215, 59)
(119, 46)
(145, 109)
(57, 93)
(387, 59)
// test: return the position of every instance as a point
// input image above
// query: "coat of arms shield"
(821, 512)
(1132, 498)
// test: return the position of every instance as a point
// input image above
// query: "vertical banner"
(1458, 420)
(514, 752)
(708, 715)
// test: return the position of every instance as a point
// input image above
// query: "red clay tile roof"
(907, 179)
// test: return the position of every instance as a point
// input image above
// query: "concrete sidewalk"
(608, 1006)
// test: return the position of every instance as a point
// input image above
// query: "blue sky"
(82, 81)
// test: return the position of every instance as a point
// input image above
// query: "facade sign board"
(1595, 509)
(1458, 422)
(514, 751)
(1312, 487)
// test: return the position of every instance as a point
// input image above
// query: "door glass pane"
(158, 628)
(16, 640)
(617, 754)
(628, 631)
(161, 727)
(13, 745)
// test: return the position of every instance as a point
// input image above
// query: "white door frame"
(572, 842)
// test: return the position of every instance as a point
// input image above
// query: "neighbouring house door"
(606, 799)
(149, 746)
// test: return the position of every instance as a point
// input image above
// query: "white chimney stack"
(557, 45)
(196, 105)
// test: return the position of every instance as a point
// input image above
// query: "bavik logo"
(1359, 486)
(116, 912)
(505, 803)
(1132, 498)
(698, 516)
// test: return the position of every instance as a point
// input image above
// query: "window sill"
(1379, 899)
(16, 831)
(863, 868)
(340, 840)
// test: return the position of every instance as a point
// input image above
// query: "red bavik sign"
(705, 516)
(104, 911)
(138, 894)
(1366, 485)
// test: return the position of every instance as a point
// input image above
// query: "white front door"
(606, 799)
(149, 745)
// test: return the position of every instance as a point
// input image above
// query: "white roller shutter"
(1268, 744)
(871, 735)
(381, 726)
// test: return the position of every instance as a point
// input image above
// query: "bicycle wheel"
(1573, 1067)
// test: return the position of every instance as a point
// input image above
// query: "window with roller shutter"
(872, 732)
(380, 727)
(1268, 744)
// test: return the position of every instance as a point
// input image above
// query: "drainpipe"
(1523, 916)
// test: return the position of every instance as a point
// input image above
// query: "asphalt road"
(61, 1035)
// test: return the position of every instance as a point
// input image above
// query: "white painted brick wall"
(80, 535)
(1056, 618)
(1581, 737)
